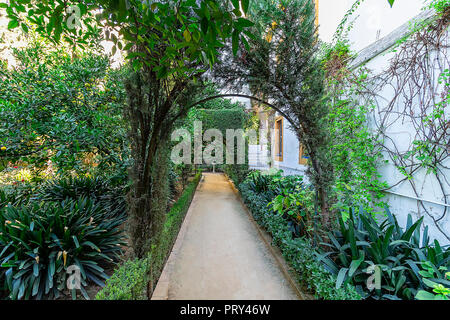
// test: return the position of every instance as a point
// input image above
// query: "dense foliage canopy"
(65, 111)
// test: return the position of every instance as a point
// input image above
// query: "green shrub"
(258, 182)
(53, 107)
(129, 282)
(97, 189)
(363, 243)
(132, 280)
(236, 172)
(16, 195)
(437, 282)
(279, 184)
(298, 252)
(41, 240)
(289, 197)
(222, 120)
(273, 183)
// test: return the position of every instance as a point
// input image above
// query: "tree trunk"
(148, 203)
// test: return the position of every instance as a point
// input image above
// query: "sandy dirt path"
(222, 255)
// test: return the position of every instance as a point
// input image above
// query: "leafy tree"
(211, 89)
(53, 108)
(165, 35)
(169, 44)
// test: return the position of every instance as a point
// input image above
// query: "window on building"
(302, 158)
(279, 139)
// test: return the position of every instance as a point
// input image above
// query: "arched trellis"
(298, 128)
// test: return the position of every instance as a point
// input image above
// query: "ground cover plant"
(405, 263)
(42, 239)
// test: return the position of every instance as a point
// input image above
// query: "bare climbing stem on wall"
(419, 80)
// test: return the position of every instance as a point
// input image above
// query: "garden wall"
(424, 193)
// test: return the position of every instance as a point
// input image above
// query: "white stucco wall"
(402, 198)
(377, 15)
(373, 18)
(373, 15)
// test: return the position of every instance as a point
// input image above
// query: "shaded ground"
(222, 255)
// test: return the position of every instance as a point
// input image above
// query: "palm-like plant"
(97, 189)
(40, 241)
(362, 246)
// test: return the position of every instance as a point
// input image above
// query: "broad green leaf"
(356, 264)
(341, 277)
(245, 4)
(13, 24)
(187, 35)
(24, 27)
(235, 42)
(424, 295)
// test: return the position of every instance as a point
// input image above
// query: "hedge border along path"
(161, 291)
(298, 253)
(135, 279)
(282, 264)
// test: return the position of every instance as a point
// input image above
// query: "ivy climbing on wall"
(355, 150)
(413, 94)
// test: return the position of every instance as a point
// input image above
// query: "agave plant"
(39, 242)
(363, 245)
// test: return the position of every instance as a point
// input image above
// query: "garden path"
(220, 254)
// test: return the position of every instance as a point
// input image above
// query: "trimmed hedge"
(237, 172)
(298, 252)
(222, 119)
(135, 277)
